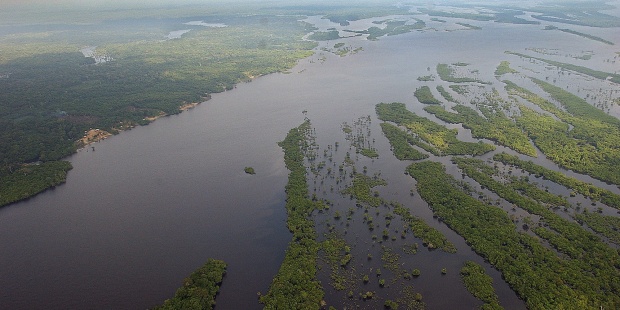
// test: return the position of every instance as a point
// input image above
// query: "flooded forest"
(410, 155)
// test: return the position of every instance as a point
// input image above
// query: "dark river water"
(150, 205)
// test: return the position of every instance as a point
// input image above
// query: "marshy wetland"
(403, 157)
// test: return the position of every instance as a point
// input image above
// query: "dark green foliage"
(29, 180)
(608, 226)
(446, 73)
(431, 237)
(361, 189)
(587, 36)
(199, 290)
(249, 170)
(55, 94)
(399, 140)
(596, 193)
(295, 286)
(479, 284)
(438, 139)
(445, 94)
(424, 95)
(529, 267)
(472, 16)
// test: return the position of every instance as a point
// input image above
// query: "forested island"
(473, 178)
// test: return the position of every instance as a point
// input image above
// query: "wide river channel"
(147, 207)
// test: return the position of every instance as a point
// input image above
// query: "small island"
(249, 170)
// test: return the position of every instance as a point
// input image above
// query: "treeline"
(54, 94)
(438, 139)
(401, 143)
(480, 284)
(295, 286)
(592, 146)
(424, 95)
(587, 71)
(29, 180)
(199, 290)
(588, 190)
(536, 273)
(494, 125)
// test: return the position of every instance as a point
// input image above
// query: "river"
(147, 207)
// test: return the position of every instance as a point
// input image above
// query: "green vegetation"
(588, 190)
(295, 286)
(29, 180)
(469, 26)
(399, 140)
(503, 68)
(479, 284)
(446, 73)
(54, 94)
(587, 36)
(394, 27)
(199, 290)
(424, 95)
(530, 268)
(438, 139)
(426, 78)
(608, 226)
(362, 189)
(494, 125)
(249, 170)
(431, 237)
(591, 147)
(445, 94)
(583, 70)
(324, 36)
(370, 153)
(459, 89)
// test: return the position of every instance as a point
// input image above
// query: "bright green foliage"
(199, 290)
(530, 268)
(370, 153)
(494, 125)
(438, 139)
(295, 286)
(399, 140)
(591, 147)
(424, 95)
(605, 196)
(361, 189)
(503, 68)
(337, 255)
(480, 284)
(29, 180)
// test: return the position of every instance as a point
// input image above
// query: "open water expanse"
(147, 207)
